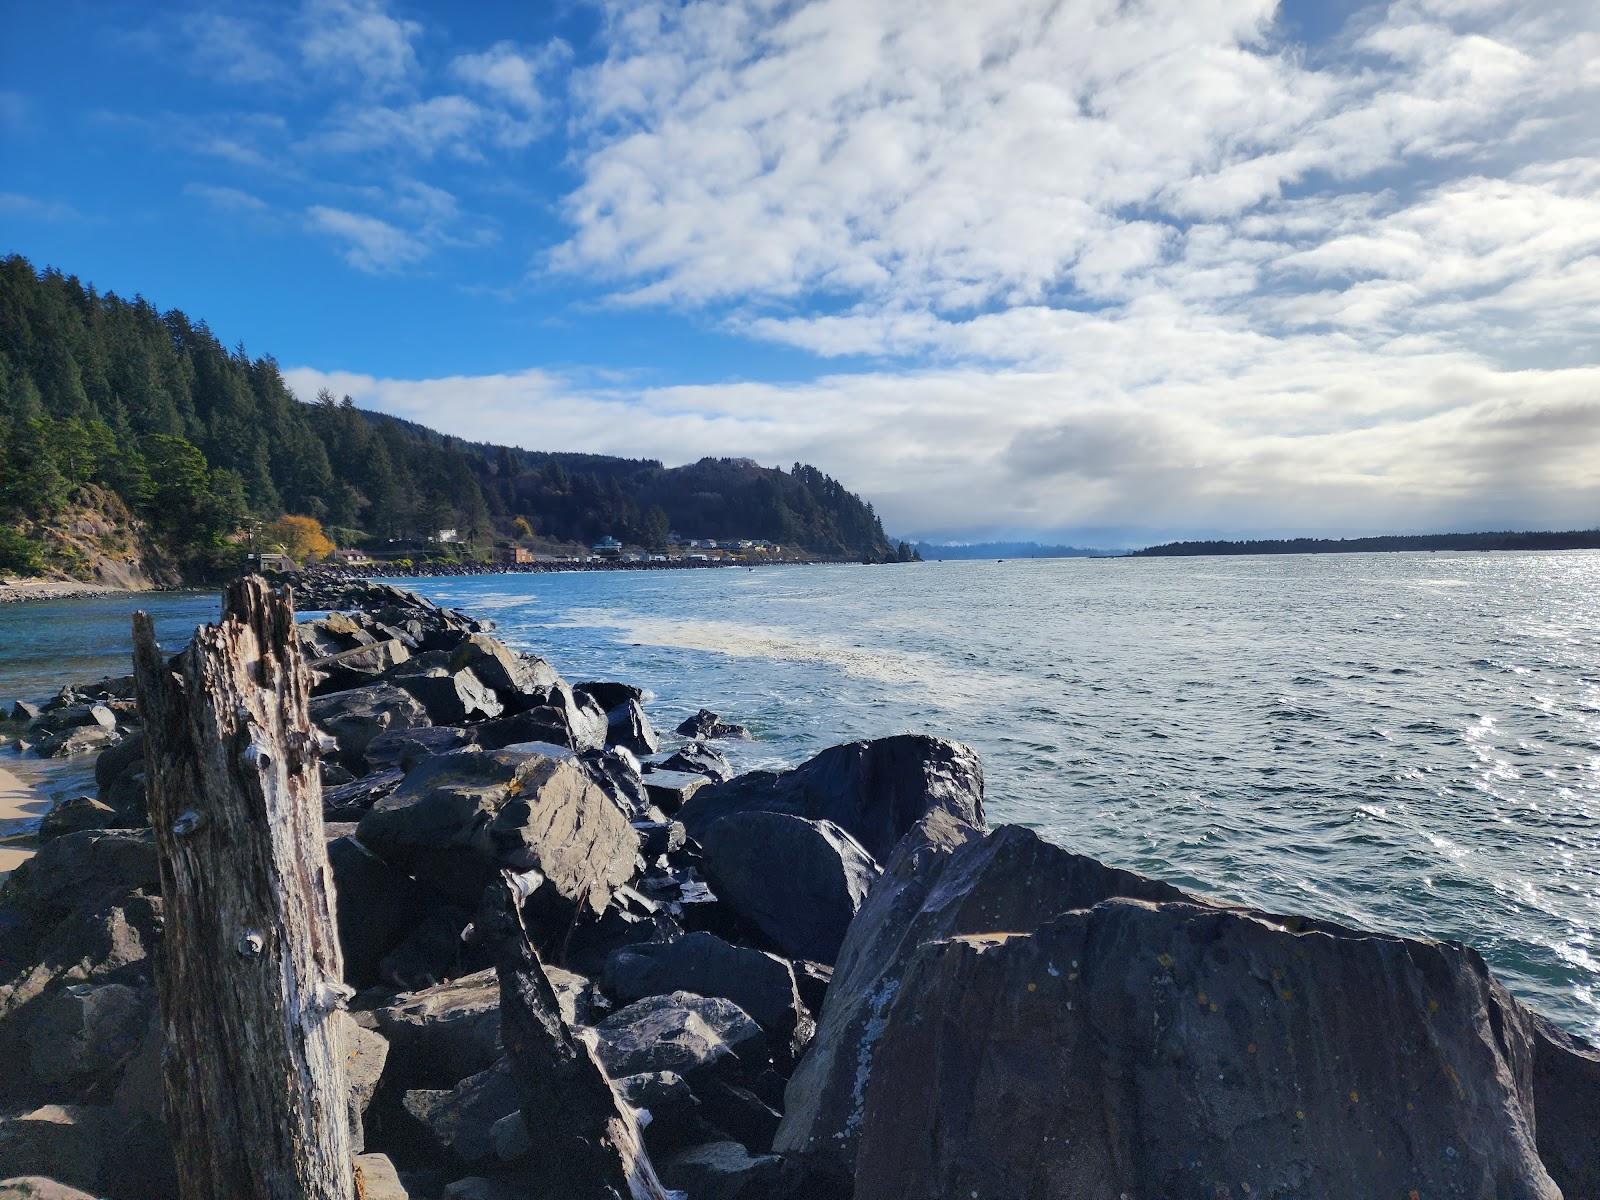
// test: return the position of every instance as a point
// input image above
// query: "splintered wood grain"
(249, 970)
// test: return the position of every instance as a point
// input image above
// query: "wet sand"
(24, 798)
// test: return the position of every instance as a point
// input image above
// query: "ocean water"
(1406, 742)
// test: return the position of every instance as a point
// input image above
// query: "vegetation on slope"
(195, 440)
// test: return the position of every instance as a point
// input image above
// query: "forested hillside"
(101, 395)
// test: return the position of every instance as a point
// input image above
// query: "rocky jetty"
(828, 982)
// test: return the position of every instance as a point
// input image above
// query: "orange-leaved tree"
(302, 538)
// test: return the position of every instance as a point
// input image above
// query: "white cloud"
(512, 73)
(370, 244)
(1241, 442)
(359, 40)
(227, 198)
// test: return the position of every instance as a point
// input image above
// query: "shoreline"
(689, 922)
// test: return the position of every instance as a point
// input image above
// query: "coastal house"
(512, 555)
(607, 547)
(269, 561)
(447, 535)
(351, 558)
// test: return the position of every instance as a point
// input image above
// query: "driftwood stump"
(585, 1140)
(250, 972)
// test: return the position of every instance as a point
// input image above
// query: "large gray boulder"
(551, 713)
(460, 1121)
(944, 879)
(355, 668)
(799, 882)
(512, 676)
(460, 817)
(874, 790)
(81, 1035)
(761, 984)
(1179, 1049)
(354, 718)
(451, 697)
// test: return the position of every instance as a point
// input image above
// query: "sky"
(1105, 271)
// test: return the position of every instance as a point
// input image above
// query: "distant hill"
(194, 440)
(936, 550)
(1585, 539)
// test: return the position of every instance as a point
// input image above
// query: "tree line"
(197, 440)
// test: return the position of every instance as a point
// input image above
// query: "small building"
(351, 558)
(608, 547)
(448, 535)
(512, 555)
(276, 563)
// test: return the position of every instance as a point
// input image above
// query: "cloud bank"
(1062, 264)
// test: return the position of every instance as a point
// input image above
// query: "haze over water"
(1408, 742)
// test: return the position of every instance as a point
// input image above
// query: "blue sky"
(1098, 271)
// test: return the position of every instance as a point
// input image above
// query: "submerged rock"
(874, 790)
(706, 724)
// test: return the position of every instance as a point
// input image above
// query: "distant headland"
(1580, 539)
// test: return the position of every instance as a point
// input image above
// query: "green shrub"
(19, 554)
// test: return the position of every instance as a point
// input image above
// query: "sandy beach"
(22, 801)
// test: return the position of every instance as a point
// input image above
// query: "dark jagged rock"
(706, 724)
(512, 676)
(944, 879)
(348, 801)
(459, 1121)
(452, 697)
(610, 695)
(441, 1035)
(1566, 1099)
(119, 778)
(671, 790)
(554, 714)
(800, 882)
(23, 710)
(700, 759)
(69, 743)
(763, 985)
(359, 667)
(617, 773)
(405, 748)
(460, 817)
(1207, 1048)
(874, 790)
(628, 727)
(657, 838)
(377, 906)
(354, 718)
(431, 953)
(80, 1036)
(698, 1037)
(722, 1171)
(74, 814)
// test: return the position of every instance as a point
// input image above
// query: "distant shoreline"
(1585, 539)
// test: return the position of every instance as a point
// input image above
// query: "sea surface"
(1406, 742)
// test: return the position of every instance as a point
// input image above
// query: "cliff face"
(95, 540)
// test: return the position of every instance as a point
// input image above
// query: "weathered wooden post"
(250, 971)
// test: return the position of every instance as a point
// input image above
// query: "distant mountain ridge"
(196, 440)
